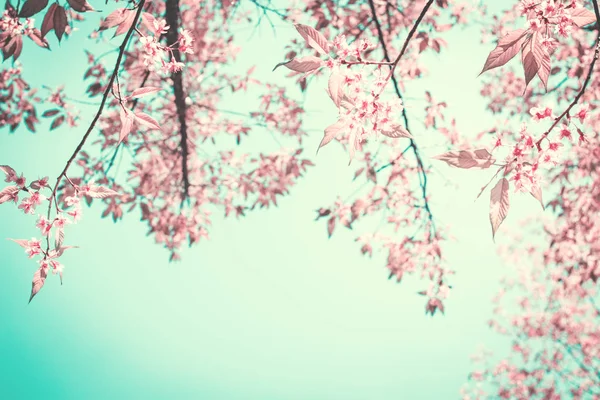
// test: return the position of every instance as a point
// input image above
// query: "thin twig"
(98, 113)
(413, 145)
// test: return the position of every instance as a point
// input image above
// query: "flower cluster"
(11, 25)
(154, 53)
(69, 212)
(355, 92)
(543, 16)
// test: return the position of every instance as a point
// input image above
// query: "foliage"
(162, 101)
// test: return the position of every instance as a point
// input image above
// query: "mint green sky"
(268, 308)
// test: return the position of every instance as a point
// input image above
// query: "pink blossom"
(160, 27)
(185, 42)
(27, 206)
(33, 248)
(44, 225)
(173, 66)
(582, 112)
(540, 113)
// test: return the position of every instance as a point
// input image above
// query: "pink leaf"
(115, 18)
(148, 21)
(533, 57)
(330, 226)
(32, 7)
(126, 123)
(303, 64)
(80, 5)
(9, 193)
(60, 250)
(582, 16)
(536, 192)
(146, 120)
(38, 282)
(126, 23)
(499, 204)
(21, 242)
(48, 22)
(18, 48)
(36, 37)
(335, 87)
(353, 143)
(507, 48)
(57, 122)
(396, 131)
(347, 103)
(50, 113)
(467, 158)
(544, 71)
(141, 92)
(331, 132)
(60, 22)
(12, 48)
(511, 38)
(313, 38)
(100, 192)
(11, 174)
(59, 239)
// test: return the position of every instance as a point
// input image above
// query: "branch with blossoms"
(126, 21)
(413, 145)
(547, 305)
(536, 43)
(363, 115)
(238, 183)
(46, 224)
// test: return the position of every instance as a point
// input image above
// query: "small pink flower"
(20, 181)
(185, 42)
(36, 198)
(71, 200)
(60, 221)
(563, 29)
(582, 112)
(173, 66)
(540, 113)
(554, 146)
(44, 264)
(443, 292)
(44, 225)
(534, 24)
(160, 26)
(27, 206)
(75, 214)
(43, 182)
(565, 132)
(57, 267)
(33, 248)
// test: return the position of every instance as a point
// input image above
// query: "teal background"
(268, 308)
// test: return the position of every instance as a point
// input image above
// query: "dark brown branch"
(100, 108)
(413, 145)
(410, 34)
(172, 17)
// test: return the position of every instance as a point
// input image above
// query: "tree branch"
(172, 17)
(585, 83)
(413, 145)
(107, 91)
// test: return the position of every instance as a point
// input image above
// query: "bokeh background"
(269, 308)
